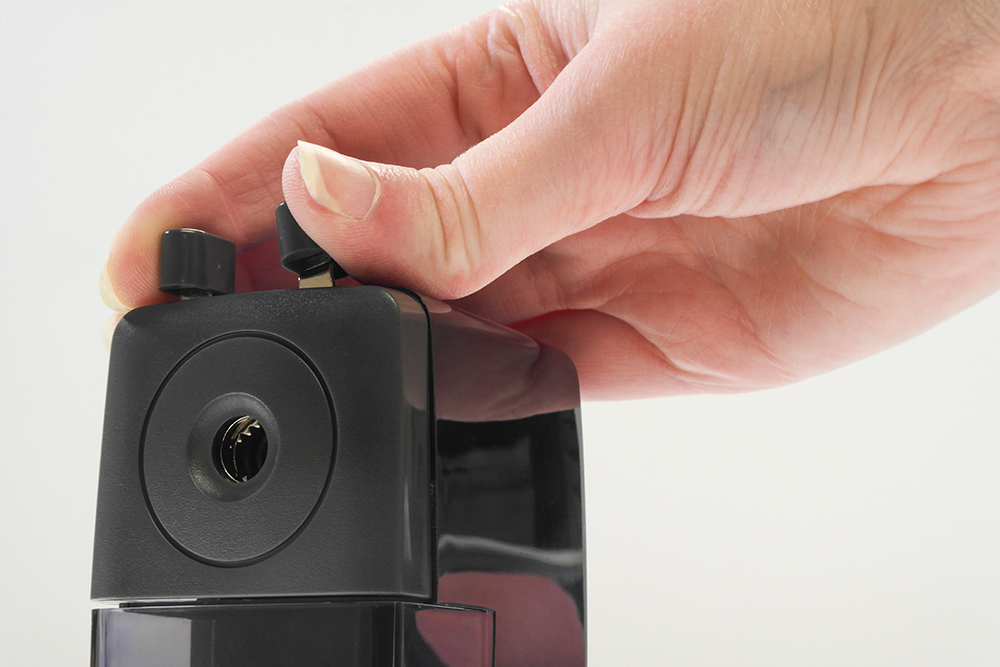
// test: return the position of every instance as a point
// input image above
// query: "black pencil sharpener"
(335, 476)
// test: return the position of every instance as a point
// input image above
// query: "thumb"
(450, 230)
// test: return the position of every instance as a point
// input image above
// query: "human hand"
(682, 196)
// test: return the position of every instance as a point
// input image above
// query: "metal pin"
(321, 279)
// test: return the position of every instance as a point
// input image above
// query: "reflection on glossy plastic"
(509, 493)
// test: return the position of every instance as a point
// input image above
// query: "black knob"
(194, 263)
(299, 253)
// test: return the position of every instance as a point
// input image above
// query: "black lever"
(300, 254)
(194, 263)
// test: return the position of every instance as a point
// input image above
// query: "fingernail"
(336, 182)
(108, 295)
(109, 330)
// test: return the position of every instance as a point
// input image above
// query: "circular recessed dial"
(238, 449)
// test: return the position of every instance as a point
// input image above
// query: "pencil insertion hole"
(240, 449)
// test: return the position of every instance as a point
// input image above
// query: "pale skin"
(683, 195)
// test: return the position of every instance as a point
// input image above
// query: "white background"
(853, 519)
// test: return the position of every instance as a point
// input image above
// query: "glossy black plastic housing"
(415, 453)
(301, 634)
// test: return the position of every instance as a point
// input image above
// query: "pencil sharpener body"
(337, 476)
